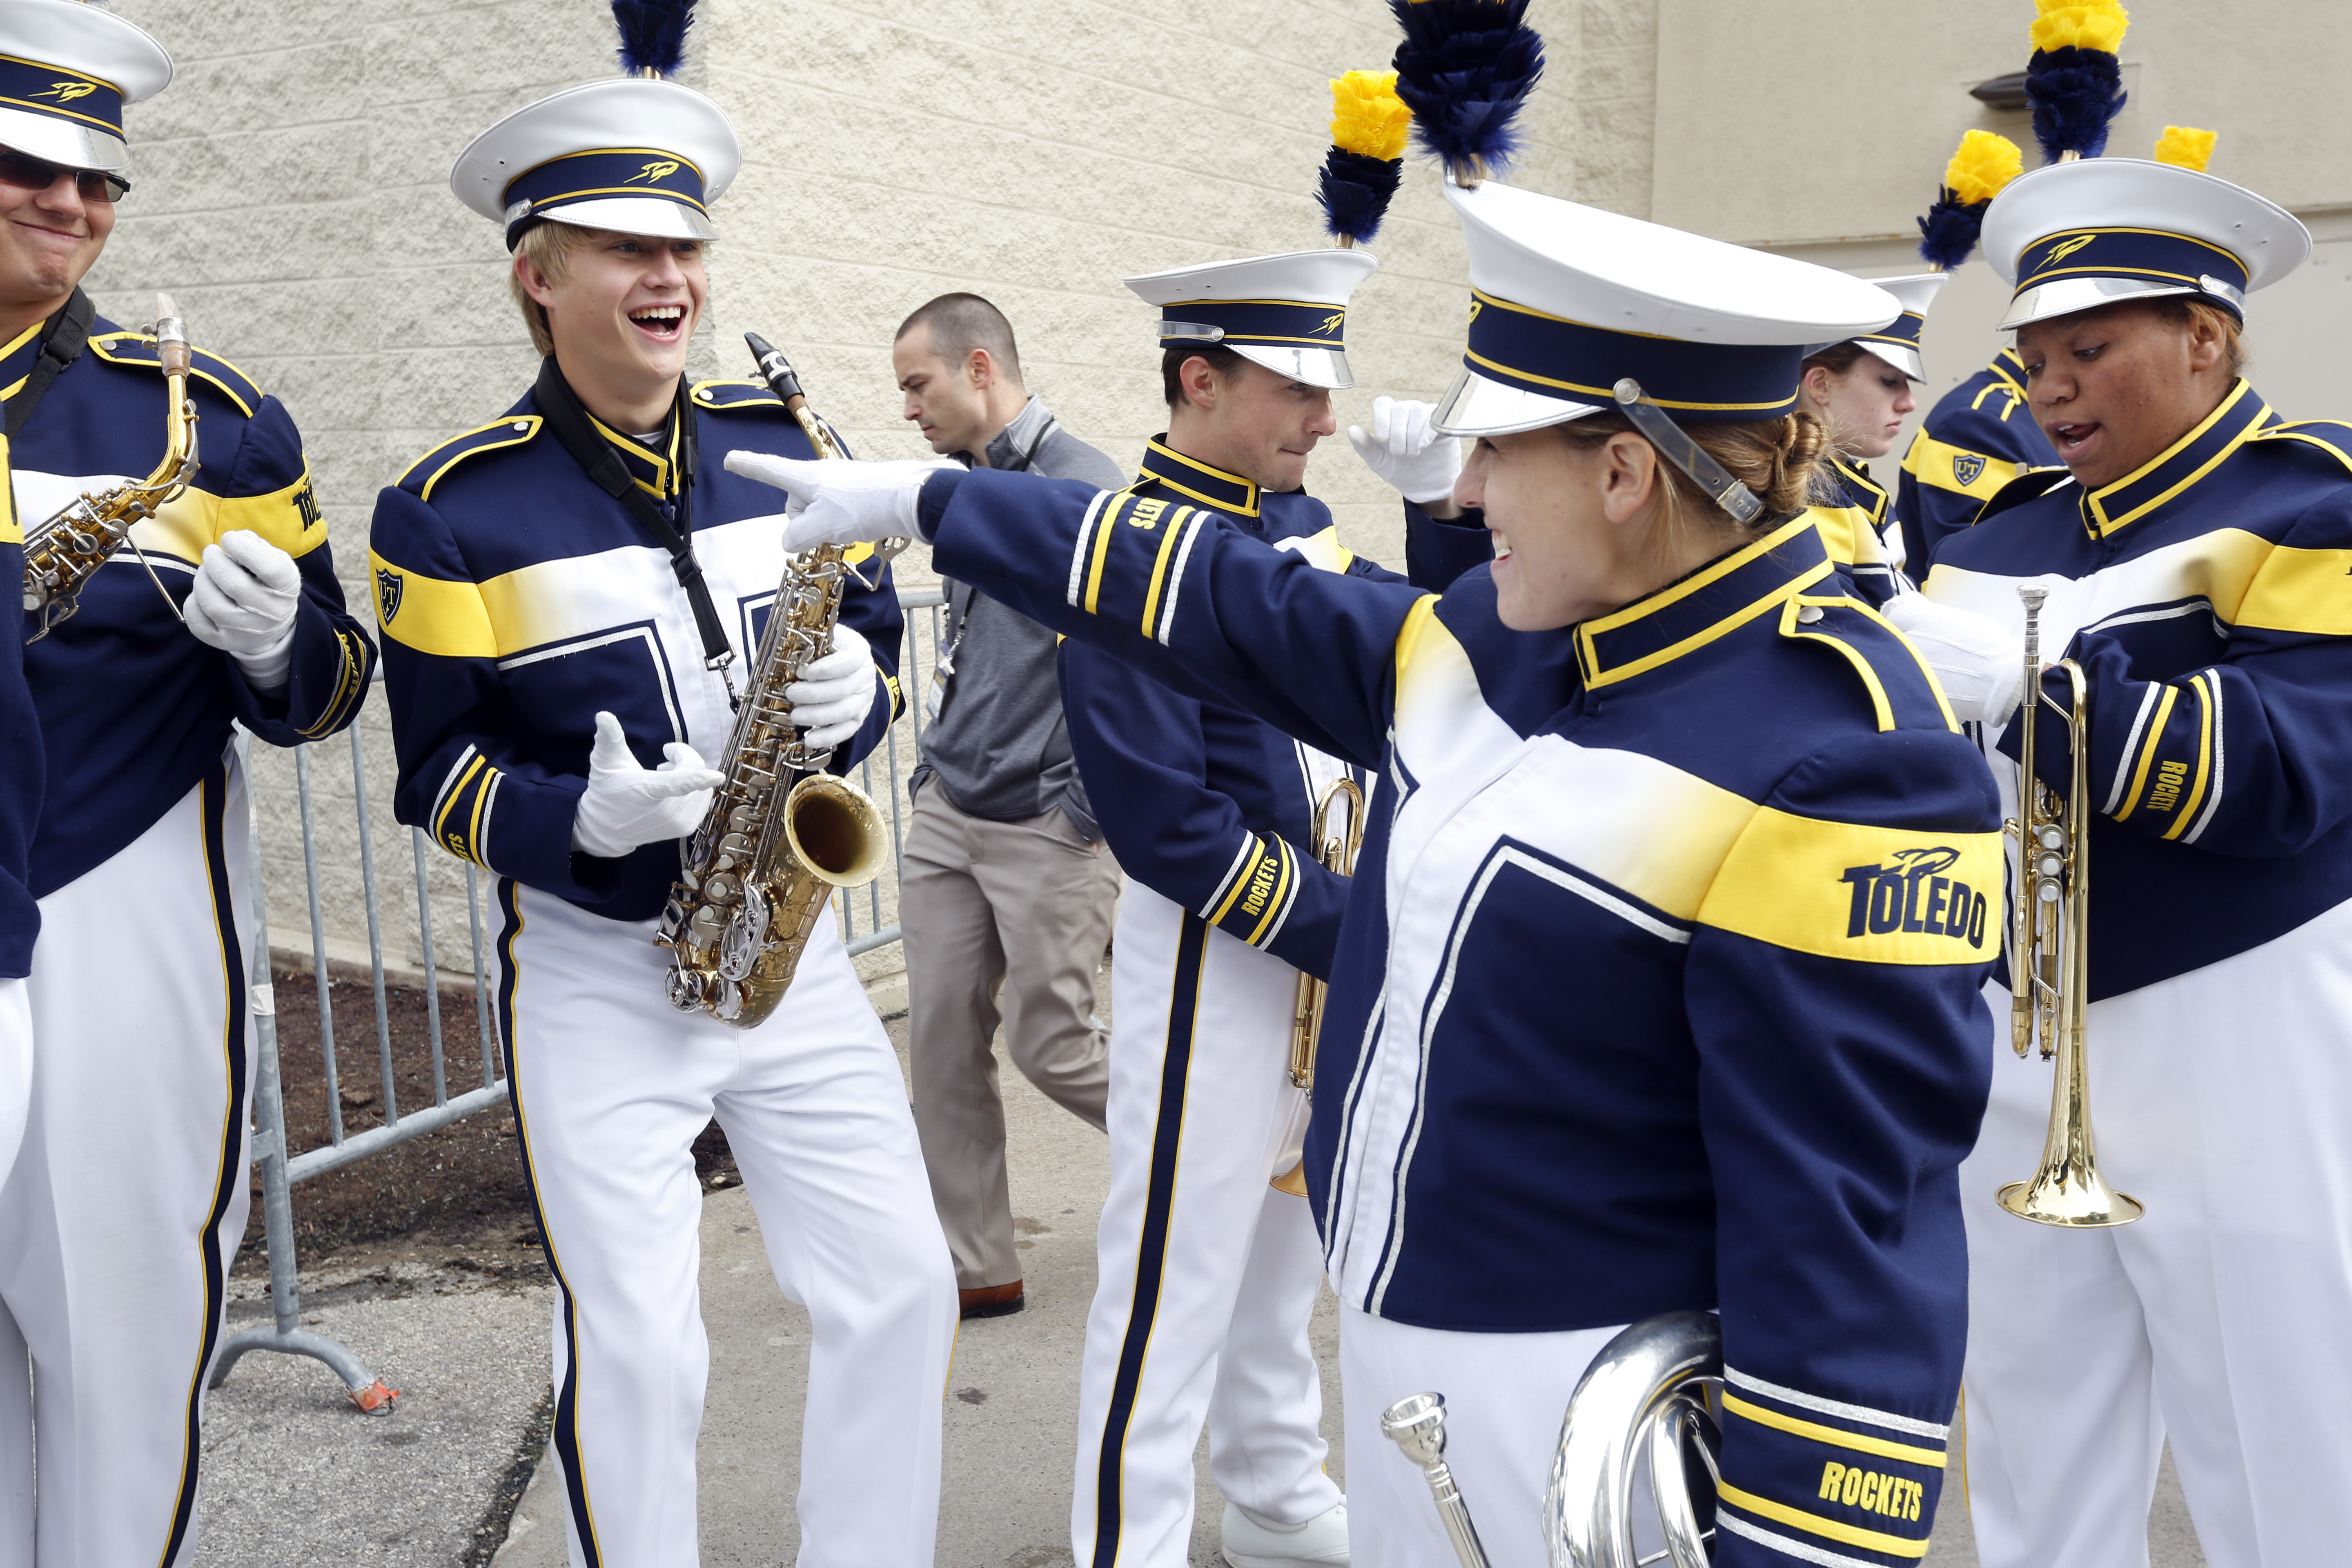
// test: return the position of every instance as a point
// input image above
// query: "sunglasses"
(27, 172)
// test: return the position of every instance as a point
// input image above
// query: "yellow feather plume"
(2185, 146)
(2080, 23)
(1983, 167)
(1367, 117)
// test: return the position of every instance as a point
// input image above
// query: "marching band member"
(553, 632)
(1978, 437)
(2195, 548)
(1206, 1274)
(1860, 389)
(224, 607)
(1658, 981)
(20, 803)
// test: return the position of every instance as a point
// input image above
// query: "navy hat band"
(2147, 255)
(1554, 357)
(1275, 324)
(1903, 330)
(60, 93)
(601, 175)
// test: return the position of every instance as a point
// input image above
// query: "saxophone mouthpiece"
(171, 337)
(775, 368)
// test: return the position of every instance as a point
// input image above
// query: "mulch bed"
(461, 1187)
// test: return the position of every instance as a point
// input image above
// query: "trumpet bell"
(2078, 1198)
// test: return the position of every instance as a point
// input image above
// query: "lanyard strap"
(568, 419)
(61, 344)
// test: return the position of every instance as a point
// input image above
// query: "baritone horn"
(1338, 852)
(2049, 953)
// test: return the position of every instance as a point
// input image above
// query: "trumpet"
(2050, 923)
(1337, 853)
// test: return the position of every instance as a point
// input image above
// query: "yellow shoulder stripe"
(12, 527)
(2300, 591)
(1421, 620)
(431, 614)
(1322, 548)
(1792, 628)
(1956, 469)
(1837, 1436)
(1868, 894)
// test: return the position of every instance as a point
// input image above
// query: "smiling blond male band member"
(554, 662)
(112, 1263)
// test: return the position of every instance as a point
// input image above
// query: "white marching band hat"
(2074, 236)
(1897, 343)
(1288, 313)
(635, 154)
(1567, 302)
(65, 71)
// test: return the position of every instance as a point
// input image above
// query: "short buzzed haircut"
(959, 323)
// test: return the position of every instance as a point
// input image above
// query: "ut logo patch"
(389, 586)
(1967, 469)
(2067, 248)
(1911, 896)
(67, 91)
(659, 169)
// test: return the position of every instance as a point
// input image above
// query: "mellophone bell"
(1659, 989)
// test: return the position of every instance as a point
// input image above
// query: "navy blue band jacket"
(2205, 597)
(1978, 438)
(20, 761)
(516, 600)
(1659, 983)
(1858, 529)
(134, 712)
(1202, 801)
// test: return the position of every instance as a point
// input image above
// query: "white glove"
(628, 804)
(1405, 449)
(246, 592)
(835, 501)
(834, 693)
(1980, 666)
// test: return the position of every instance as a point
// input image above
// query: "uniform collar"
(2007, 366)
(654, 466)
(17, 357)
(1717, 598)
(1858, 489)
(2242, 414)
(1189, 475)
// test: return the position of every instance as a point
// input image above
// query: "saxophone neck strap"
(567, 417)
(61, 344)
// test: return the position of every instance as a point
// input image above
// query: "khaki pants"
(1024, 908)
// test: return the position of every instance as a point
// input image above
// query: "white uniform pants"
(611, 1088)
(126, 1198)
(2222, 1100)
(1505, 1395)
(1206, 1275)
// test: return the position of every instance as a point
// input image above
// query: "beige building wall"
(292, 194)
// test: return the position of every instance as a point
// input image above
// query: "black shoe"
(992, 1301)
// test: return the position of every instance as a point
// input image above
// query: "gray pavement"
(296, 1477)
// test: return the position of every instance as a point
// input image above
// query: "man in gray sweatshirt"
(1006, 883)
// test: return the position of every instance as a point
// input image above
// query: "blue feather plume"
(1354, 193)
(1464, 68)
(1949, 234)
(653, 34)
(2076, 94)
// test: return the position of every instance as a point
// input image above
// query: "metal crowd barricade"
(280, 1167)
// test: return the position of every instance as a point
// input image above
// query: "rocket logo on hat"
(2067, 248)
(1288, 313)
(660, 169)
(65, 71)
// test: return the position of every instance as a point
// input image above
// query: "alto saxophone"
(780, 834)
(65, 550)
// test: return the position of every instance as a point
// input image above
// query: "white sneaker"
(1254, 1542)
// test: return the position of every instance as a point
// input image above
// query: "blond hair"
(1779, 459)
(550, 245)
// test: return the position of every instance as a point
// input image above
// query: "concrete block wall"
(292, 194)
